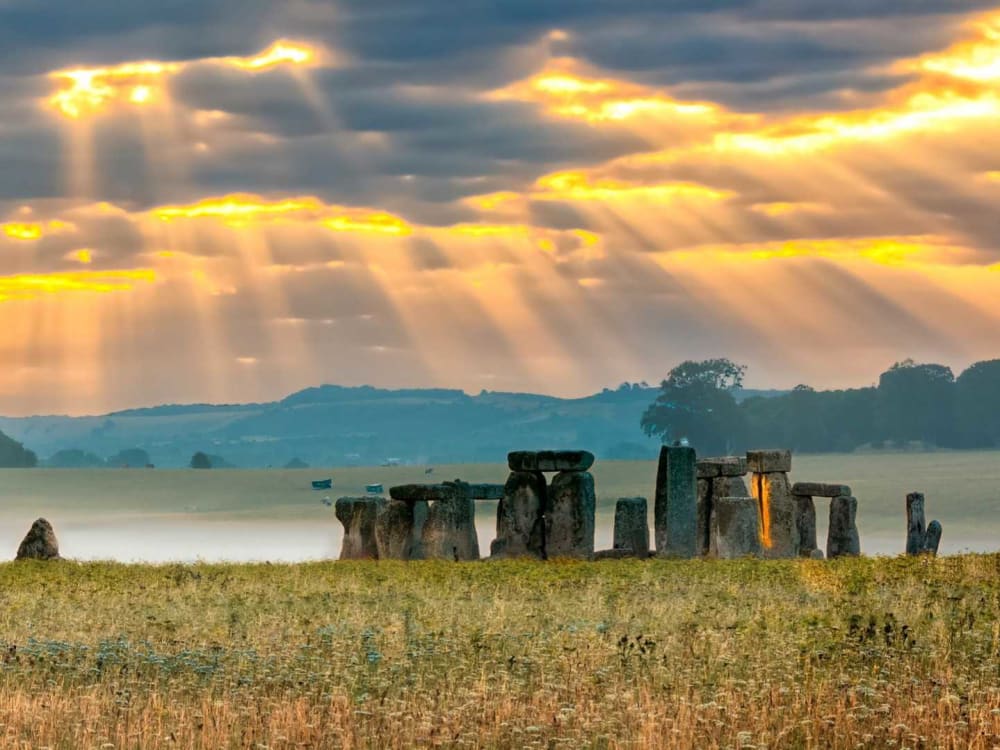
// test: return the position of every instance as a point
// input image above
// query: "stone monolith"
(570, 511)
(675, 508)
(520, 517)
(358, 515)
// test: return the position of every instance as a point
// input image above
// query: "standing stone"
(358, 515)
(704, 515)
(520, 517)
(932, 538)
(805, 523)
(450, 530)
(725, 485)
(632, 526)
(39, 543)
(736, 527)
(398, 529)
(842, 538)
(779, 534)
(675, 509)
(571, 507)
(915, 523)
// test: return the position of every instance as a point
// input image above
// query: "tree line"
(913, 405)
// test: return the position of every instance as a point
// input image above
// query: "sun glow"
(83, 92)
(30, 286)
(22, 230)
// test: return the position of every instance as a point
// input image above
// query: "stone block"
(485, 491)
(449, 532)
(722, 466)
(570, 513)
(843, 538)
(396, 530)
(932, 538)
(779, 534)
(420, 492)
(703, 513)
(358, 515)
(675, 508)
(520, 517)
(550, 460)
(632, 526)
(39, 543)
(736, 527)
(915, 523)
(805, 522)
(768, 461)
(818, 489)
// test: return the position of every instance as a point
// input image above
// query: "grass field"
(158, 515)
(873, 653)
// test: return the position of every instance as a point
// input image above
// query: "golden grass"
(840, 654)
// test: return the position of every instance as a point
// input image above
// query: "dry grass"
(870, 653)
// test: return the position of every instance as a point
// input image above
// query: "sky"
(228, 200)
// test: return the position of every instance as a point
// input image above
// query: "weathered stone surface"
(399, 528)
(805, 522)
(722, 466)
(675, 510)
(842, 538)
(703, 512)
(819, 489)
(779, 534)
(358, 515)
(449, 532)
(550, 460)
(39, 543)
(721, 486)
(915, 523)
(520, 517)
(570, 512)
(768, 461)
(932, 538)
(632, 526)
(485, 491)
(736, 527)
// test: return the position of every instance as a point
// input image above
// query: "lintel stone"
(819, 489)
(550, 460)
(769, 461)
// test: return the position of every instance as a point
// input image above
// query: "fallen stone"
(550, 460)
(779, 534)
(818, 489)
(358, 515)
(570, 511)
(736, 527)
(842, 538)
(631, 533)
(520, 517)
(675, 509)
(399, 529)
(449, 533)
(768, 461)
(805, 522)
(39, 543)
(723, 466)
(915, 529)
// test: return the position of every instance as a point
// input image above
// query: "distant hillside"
(332, 425)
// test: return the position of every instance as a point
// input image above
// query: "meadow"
(869, 652)
(256, 515)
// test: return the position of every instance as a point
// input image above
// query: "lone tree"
(696, 402)
(201, 461)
